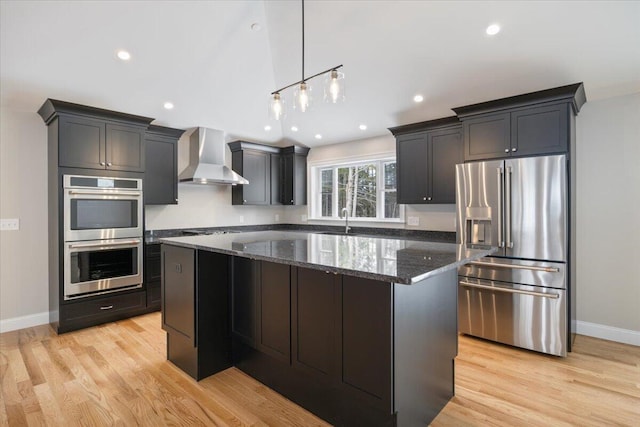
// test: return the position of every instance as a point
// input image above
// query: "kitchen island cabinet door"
(273, 311)
(367, 325)
(245, 278)
(316, 304)
(178, 291)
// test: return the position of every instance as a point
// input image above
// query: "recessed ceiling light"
(267, 128)
(168, 105)
(255, 27)
(493, 29)
(418, 98)
(318, 136)
(363, 127)
(294, 128)
(124, 55)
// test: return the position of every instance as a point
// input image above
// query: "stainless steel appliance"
(519, 296)
(95, 267)
(102, 208)
(103, 231)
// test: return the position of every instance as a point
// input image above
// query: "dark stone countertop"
(397, 260)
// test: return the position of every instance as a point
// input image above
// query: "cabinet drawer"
(105, 307)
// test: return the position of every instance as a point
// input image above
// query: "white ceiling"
(204, 57)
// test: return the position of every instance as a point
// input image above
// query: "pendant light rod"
(308, 78)
(302, 41)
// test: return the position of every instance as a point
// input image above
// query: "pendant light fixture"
(333, 88)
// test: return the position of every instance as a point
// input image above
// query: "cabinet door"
(412, 168)
(273, 310)
(317, 319)
(161, 175)
(367, 326)
(178, 291)
(243, 299)
(256, 167)
(81, 143)
(445, 152)
(276, 179)
(540, 130)
(487, 137)
(125, 147)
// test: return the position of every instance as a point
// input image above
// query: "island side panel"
(425, 346)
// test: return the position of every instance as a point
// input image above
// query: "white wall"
(608, 213)
(608, 210)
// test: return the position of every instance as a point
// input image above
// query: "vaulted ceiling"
(206, 59)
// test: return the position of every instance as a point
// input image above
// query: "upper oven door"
(108, 212)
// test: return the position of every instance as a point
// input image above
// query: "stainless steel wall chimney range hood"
(206, 160)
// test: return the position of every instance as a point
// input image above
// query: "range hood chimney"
(206, 160)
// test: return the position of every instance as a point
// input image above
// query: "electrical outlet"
(277, 217)
(303, 218)
(413, 221)
(9, 224)
(241, 219)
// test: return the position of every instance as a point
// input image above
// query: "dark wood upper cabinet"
(536, 123)
(161, 171)
(426, 155)
(94, 138)
(276, 175)
(294, 175)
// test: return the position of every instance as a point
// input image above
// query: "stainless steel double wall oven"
(103, 235)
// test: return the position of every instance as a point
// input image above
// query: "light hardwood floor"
(117, 374)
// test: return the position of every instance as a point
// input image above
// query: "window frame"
(315, 202)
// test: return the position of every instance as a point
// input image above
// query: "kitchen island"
(359, 330)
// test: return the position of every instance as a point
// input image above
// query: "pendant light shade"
(333, 91)
(276, 106)
(334, 87)
(302, 96)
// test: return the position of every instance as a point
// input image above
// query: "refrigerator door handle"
(516, 266)
(508, 207)
(500, 203)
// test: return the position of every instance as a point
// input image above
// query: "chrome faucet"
(345, 212)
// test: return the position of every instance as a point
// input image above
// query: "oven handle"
(95, 245)
(510, 291)
(105, 193)
(516, 267)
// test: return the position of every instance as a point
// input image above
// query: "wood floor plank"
(117, 374)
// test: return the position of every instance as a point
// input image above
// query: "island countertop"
(385, 259)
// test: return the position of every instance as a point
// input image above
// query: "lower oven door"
(530, 317)
(96, 267)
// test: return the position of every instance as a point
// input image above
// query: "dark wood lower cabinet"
(195, 310)
(353, 351)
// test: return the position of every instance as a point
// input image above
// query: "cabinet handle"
(429, 198)
(291, 200)
(424, 198)
(244, 201)
(514, 149)
(102, 163)
(109, 164)
(506, 150)
(106, 307)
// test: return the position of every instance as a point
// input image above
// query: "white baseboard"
(611, 333)
(22, 322)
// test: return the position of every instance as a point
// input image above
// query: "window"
(367, 189)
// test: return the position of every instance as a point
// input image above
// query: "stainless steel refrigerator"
(518, 296)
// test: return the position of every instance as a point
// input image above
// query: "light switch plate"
(413, 220)
(9, 224)
(241, 219)
(277, 217)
